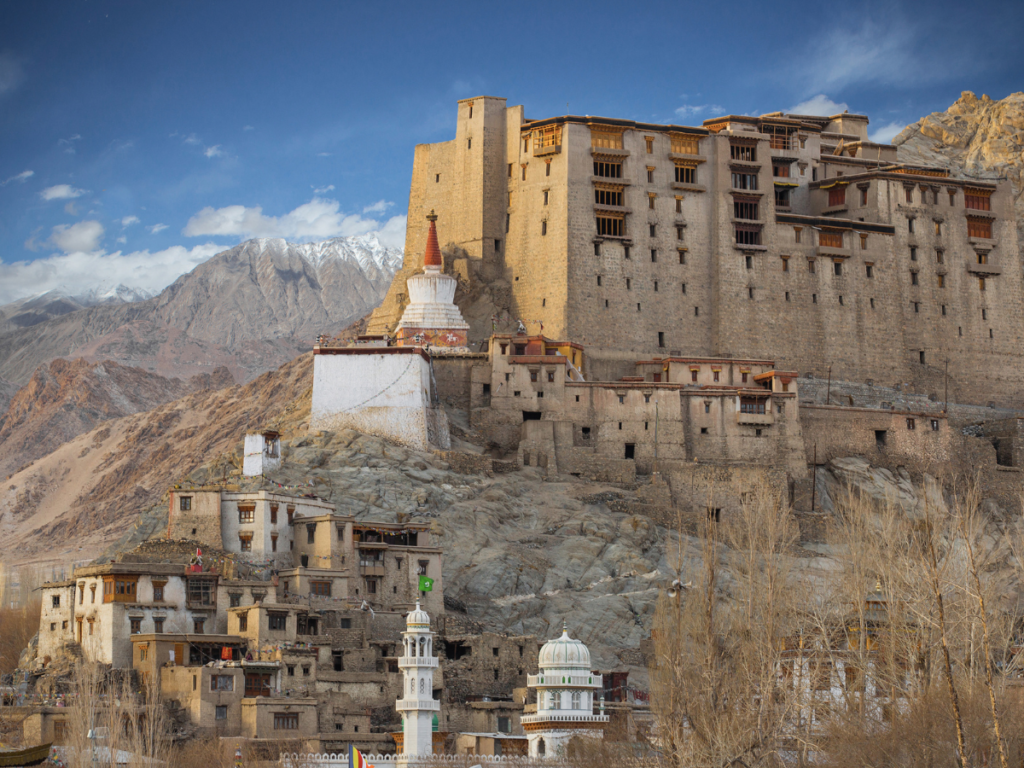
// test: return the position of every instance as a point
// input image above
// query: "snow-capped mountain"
(251, 308)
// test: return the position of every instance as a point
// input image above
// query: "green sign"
(426, 584)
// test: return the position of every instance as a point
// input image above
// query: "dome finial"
(565, 627)
(432, 257)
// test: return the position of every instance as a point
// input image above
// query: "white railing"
(588, 681)
(551, 717)
(405, 705)
(340, 760)
(417, 661)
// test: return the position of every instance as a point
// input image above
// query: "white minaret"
(417, 705)
(565, 698)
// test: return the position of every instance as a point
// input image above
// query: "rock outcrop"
(978, 138)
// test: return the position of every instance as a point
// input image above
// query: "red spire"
(432, 258)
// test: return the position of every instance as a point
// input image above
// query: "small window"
(703, 430)
(941, 280)
(654, 228)
(654, 254)
(551, 375)
(872, 303)
(796, 234)
(469, 143)
(693, 375)
(311, 533)
(437, 178)
(679, 233)
(198, 625)
(650, 145)
(625, 251)
(650, 175)
(221, 712)
(913, 254)
(814, 298)
(943, 310)
(136, 625)
(185, 503)
(910, 221)
(911, 424)
(921, 356)
(543, 227)
(243, 622)
(682, 256)
(630, 452)
(707, 407)
(545, 197)
(787, 295)
(749, 261)
(870, 270)
(717, 375)
(810, 266)
(837, 267)
(547, 168)
(913, 278)
(661, 338)
(679, 205)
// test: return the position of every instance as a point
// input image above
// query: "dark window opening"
(531, 415)
(630, 450)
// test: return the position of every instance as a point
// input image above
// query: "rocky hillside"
(250, 309)
(975, 137)
(66, 398)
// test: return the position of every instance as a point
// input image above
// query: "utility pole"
(814, 477)
(828, 395)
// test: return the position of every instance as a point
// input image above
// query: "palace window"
(607, 169)
(277, 622)
(863, 242)
(119, 589)
(830, 239)
(202, 592)
(744, 181)
(185, 503)
(649, 140)
(136, 625)
(864, 196)
(976, 200)
(650, 201)
(611, 226)
(603, 196)
(243, 622)
(246, 513)
(607, 139)
(320, 588)
(245, 542)
(686, 174)
(745, 209)
(748, 234)
(978, 227)
(782, 197)
(743, 152)
(837, 196)
(683, 144)
(158, 624)
(910, 194)
(753, 405)
(796, 234)
(650, 175)
(286, 721)
(222, 683)
(548, 136)
(679, 205)
(780, 171)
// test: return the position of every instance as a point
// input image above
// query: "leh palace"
(695, 312)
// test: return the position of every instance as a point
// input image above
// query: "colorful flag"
(426, 584)
(356, 759)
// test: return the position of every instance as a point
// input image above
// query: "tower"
(432, 318)
(417, 705)
(565, 697)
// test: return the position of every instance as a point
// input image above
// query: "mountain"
(66, 398)
(979, 138)
(249, 308)
(41, 307)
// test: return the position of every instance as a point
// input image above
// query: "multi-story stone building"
(791, 237)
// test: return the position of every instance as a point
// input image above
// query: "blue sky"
(139, 138)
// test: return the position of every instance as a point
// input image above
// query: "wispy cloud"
(819, 105)
(62, 192)
(248, 128)
(323, 154)
(11, 72)
(127, 221)
(884, 134)
(157, 228)
(316, 220)
(69, 143)
(693, 110)
(379, 207)
(21, 177)
(71, 238)
(70, 208)
(191, 139)
(213, 151)
(152, 271)
(322, 190)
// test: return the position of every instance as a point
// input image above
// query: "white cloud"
(819, 105)
(248, 128)
(886, 133)
(321, 190)
(86, 271)
(692, 110)
(11, 73)
(127, 221)
(69, 143)
(191, 139)
(379, 207)
(213, 151)
(81, 237)
(323, 154)
(157, 228)
(21, 177)
(316, 220)
(61, 192)
(122, 240)
(70, 208)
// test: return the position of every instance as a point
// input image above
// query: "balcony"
(832, 252)
(551, 717)
(755, 419)
(990, 267)
(411, 705)
(371, 568)
(408, 662)
(557, 680)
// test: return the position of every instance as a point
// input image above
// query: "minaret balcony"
(417, 705)
(417, 662)
(556, 680)
(575, 717)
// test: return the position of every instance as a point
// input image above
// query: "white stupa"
(565, 697)
(417, 706)
(432, 318)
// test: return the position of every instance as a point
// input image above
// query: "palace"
(788, 237)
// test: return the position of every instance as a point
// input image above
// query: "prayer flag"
(426, 584)
(356, 759)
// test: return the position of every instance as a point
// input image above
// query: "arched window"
(541, 749)
(423, 684)
(576, 704)
(553, 700)
(412, 685)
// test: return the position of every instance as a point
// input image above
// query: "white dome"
(417, 619)
(564, 653)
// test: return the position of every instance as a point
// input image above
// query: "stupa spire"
(432, 257)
